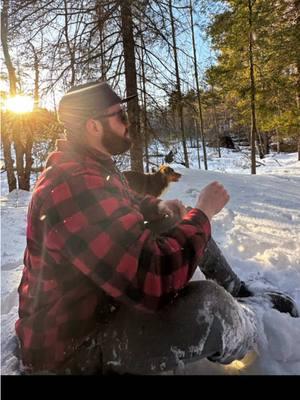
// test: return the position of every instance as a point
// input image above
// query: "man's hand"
(172, 209)
(212, 199)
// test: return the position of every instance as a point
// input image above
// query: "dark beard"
(113, 143)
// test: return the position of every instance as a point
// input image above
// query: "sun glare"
(19, 104)
(239, 365)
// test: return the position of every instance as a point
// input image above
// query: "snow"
(258, 232)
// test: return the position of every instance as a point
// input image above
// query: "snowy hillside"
(258, 231)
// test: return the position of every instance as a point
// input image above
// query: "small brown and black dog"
(153, 184)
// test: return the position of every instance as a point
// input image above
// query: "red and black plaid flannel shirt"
(86, 236)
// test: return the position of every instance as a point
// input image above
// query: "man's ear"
(93, 127)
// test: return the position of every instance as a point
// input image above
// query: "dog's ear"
(167, 170)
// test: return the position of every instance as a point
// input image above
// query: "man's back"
(57, 302)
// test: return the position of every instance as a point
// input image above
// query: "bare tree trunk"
(100, 23)
(28, 161)
(36, 77)
(28, 132)
(4, 41)
(69, 46)
(145, 119)
(198, 89)
(253, 91)
(297, 9)
(9, 163)
(19, 150)
(297, 3)
(6, 139)
(178, 88)
(260, 145)
(217, 127)
(136, 151)
(198, 144)
(277, 130)
(217, 130)
(23, 141)
(266, 144)
(278, 140)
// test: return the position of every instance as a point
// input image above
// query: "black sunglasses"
(123, 116)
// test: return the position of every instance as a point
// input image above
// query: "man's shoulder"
(71, 168)
(69, 173)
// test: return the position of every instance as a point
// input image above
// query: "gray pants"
(203, 321)
(215, 266)
(190, 328)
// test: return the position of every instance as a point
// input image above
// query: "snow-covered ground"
(258, 231)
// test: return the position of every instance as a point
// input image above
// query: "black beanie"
(84, 101)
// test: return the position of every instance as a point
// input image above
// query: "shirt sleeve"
(106, 239)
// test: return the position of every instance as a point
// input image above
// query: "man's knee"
(209, 287)
(207, 293)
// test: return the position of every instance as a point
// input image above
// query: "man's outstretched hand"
(212, 199)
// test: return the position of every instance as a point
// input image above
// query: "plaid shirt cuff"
(197, 216)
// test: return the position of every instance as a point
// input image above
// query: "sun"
(19, 104)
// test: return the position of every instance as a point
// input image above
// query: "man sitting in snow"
(100, 291)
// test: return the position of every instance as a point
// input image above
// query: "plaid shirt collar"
(65, 147)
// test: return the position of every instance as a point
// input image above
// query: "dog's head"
(169, 173)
